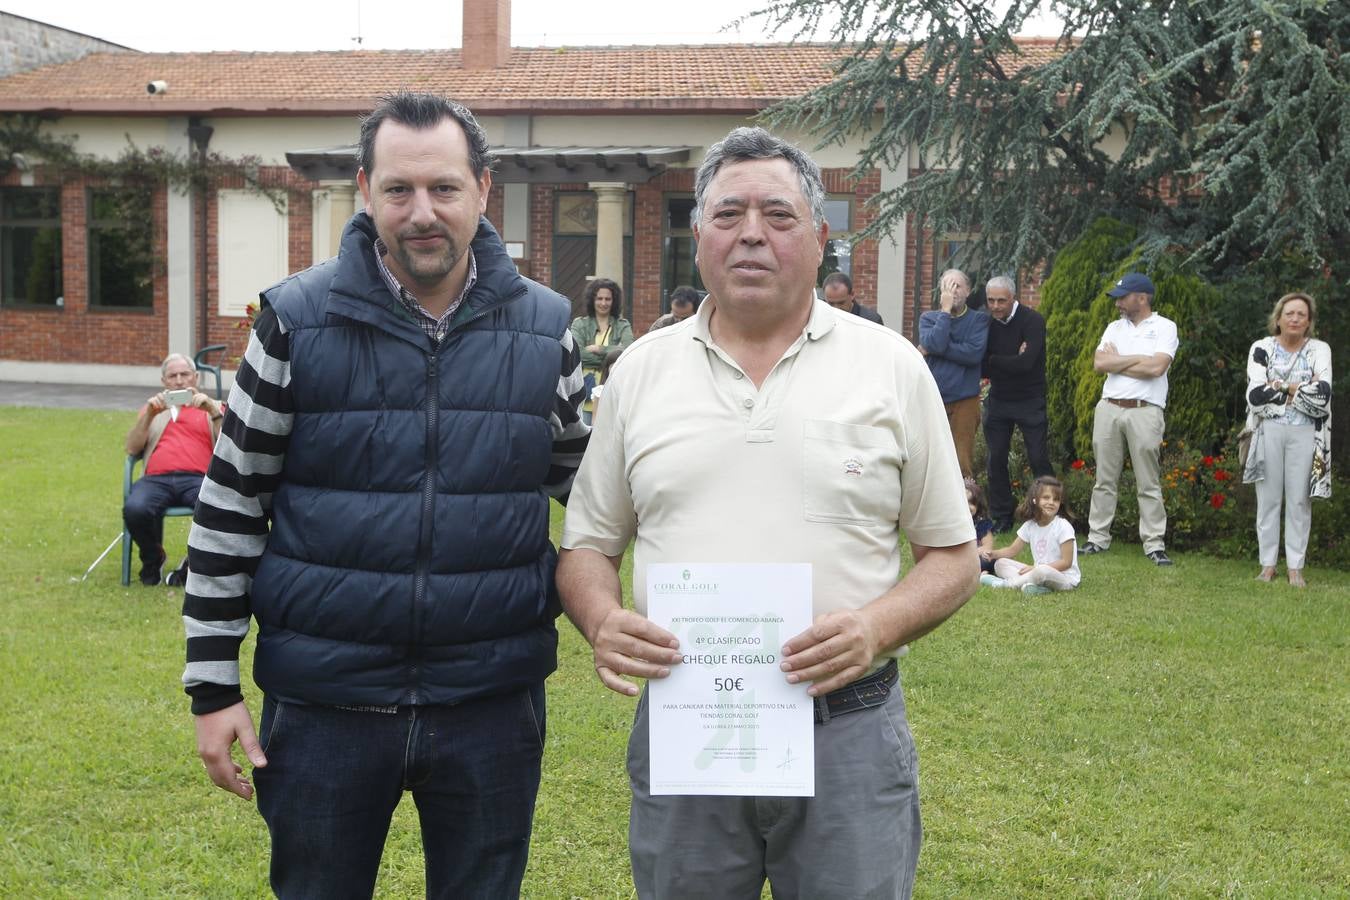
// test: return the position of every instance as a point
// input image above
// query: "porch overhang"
(522, 165)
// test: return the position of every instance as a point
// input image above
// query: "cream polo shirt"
(843, 447)
(1155, 334)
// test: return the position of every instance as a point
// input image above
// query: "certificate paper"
(726, 721)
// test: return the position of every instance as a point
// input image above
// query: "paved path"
(74, 396)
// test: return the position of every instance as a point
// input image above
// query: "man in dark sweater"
(1014, 363)
(838, 289)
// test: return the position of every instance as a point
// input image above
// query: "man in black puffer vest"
(379, 503)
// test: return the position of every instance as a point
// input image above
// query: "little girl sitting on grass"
(1054, 552)
(984, 526)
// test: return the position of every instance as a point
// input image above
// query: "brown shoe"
(1266, 574)
(1296, 579)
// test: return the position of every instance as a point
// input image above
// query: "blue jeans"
(144, 508)
(333, 778)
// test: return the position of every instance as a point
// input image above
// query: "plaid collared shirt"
(434, 327)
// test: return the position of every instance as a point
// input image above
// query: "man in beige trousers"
(1135, 353)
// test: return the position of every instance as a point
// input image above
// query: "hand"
(594, 348)
(1022, 349)
(156, 404)
(628, 644)
(216, 734)
(836, 650)
(206, 404)
(1022, 570)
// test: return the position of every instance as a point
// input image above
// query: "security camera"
(157, 87)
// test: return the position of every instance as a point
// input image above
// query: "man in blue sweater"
(952, 338)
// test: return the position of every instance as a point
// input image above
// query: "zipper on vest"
(485, 311)
(428, 514)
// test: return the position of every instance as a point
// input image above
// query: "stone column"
(609, 197)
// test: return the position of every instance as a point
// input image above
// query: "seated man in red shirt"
(177, 439)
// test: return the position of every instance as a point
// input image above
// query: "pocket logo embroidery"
(853, 466)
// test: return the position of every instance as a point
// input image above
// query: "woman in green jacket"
(600, 330)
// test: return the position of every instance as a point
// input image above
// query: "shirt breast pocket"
(850, 473)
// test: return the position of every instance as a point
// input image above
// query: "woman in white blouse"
(1289, 412)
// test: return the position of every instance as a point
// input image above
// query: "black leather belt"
(865, 693)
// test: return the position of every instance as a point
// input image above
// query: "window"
(677, 247)
(120, 257)
(30, 247)
(838, 255)
(252, 247)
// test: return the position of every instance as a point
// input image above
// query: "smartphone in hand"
(178, 398)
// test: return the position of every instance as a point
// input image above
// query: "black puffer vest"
(409, 559)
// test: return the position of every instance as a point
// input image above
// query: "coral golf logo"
(688, 584)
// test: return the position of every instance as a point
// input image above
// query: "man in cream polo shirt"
(770, 427)
(1135, 351)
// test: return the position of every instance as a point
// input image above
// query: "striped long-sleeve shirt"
(230, 527)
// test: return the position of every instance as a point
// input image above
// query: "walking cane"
(97, 561)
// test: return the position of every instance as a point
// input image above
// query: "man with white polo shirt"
(770, 430)
(1135, 352)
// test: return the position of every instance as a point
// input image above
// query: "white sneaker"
(992, 581)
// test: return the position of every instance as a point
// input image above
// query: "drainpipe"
(200, 135)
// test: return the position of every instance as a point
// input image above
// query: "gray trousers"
(1140, 431)
(856, 839)
(1289, 455)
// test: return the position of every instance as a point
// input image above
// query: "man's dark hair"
(422, 111)
(838, 278)
(593, 288)
(747, 143)
(685, 294)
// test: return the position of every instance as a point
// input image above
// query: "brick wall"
(75, 332)
(865, 255)
(80, 334)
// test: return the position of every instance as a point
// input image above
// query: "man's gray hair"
(1001, 282)
(964, 276)
(164, 366)
(746, 143)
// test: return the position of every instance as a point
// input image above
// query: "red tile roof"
(711, 78)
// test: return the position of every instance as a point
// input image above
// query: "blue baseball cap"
(1132, 283)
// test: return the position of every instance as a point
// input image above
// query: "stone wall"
(27, 44)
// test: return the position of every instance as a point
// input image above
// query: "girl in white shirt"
(1054, 552)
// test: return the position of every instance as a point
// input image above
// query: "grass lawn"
(1177, 732)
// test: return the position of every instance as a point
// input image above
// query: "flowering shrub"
(1209, 509)
(1198, 494)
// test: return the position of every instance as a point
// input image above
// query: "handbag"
(1244, 446)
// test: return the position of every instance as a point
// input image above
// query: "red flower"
(1208, 461)
(1221, 475)
(1077, 464)
(1217, 501)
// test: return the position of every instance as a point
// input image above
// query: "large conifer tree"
(1246, 103)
